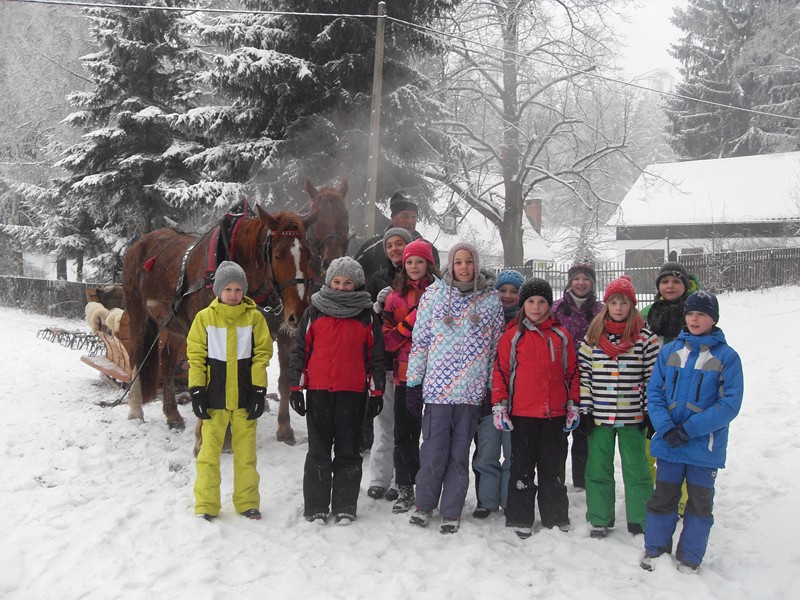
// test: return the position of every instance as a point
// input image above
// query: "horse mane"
(289, 222)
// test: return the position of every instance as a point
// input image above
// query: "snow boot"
(405, 501)
(420, 517)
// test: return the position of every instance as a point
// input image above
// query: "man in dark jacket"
(373, 253)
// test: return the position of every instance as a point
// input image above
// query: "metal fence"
(721, 271)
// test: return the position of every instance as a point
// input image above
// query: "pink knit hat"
(419, 248)
(621, 285)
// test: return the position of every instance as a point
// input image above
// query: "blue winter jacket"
(698, 383)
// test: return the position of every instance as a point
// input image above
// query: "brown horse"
(165, 280)
(329, 234)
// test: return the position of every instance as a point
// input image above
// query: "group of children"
(498, 359)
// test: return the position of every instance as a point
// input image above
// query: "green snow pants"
(245, 475)
(600, 485)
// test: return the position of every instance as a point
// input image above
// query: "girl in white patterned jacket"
(615, 360)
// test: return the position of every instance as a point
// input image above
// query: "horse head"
(284, 237)
(328, 232)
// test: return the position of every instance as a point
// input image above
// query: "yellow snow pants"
(245, 475)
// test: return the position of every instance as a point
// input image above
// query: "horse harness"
(222, 247)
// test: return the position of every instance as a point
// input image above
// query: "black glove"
(374, 406)
(298, 403)
(586, 424)
(647, 426)
(199, 402)
(676, 437)
(257, 403)
(414, 400)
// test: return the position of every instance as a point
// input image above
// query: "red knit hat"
(621, 285)
(418, 248)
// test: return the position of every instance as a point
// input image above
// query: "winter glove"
(257, 403)
(676, 437)
(573, 418)
(199, 402)
(374, 406)
(586, 424)
(298, 403)
(411, 318)
(381, 301)
(414, 400)
(500, 418)
(647, 426)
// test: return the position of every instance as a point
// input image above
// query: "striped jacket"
(229, 348)
(613, 391)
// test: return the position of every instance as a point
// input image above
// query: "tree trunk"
(79, 267)
(17, 265)
(511, 229)
(61, 268)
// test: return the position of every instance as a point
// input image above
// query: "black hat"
(704, 302)
(676, 270)
(400, 202)
(535, 287)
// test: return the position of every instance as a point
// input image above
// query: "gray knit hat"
(399, 232)
(229, 272)
(345, 267)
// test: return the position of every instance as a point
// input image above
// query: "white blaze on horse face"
(295, 250)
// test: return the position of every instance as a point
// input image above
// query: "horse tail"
(142, 330)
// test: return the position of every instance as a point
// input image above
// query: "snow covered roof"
(727, 190)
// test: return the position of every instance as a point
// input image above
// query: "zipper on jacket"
(697, 395)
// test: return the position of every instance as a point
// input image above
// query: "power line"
(422, 28)
(585, 71)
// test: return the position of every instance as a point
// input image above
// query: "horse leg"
(169, 360)
(135, 411)
(285, 433)
(198, 437)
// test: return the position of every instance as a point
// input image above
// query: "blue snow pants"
(662, 511)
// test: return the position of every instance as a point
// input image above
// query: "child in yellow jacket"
(229, 347)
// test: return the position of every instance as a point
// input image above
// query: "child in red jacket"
(399, 316)
(338, 357)
(535, 385)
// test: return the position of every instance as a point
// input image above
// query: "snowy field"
(94, 506)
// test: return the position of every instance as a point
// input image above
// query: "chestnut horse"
(327, 234)
(165, 277)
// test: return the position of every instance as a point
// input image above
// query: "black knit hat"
(400, 202)
(676, 270)
(535, 287)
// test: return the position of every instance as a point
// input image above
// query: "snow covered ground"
(94, 506)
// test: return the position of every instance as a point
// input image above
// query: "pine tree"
(128, 166)
(294, 95)
(730, 55)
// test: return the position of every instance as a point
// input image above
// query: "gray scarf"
(341, 305)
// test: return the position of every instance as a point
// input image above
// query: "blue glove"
(676, 437)
(414, 400)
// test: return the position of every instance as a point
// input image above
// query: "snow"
(95, 506)
(726, 190)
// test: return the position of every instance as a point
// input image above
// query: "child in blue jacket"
(695, 391)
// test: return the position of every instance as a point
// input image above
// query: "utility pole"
(375, 123)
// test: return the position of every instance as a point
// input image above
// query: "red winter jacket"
(535, 382)
(399, 316)
(338, 355)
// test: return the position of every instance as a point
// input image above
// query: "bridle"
(268, 296)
